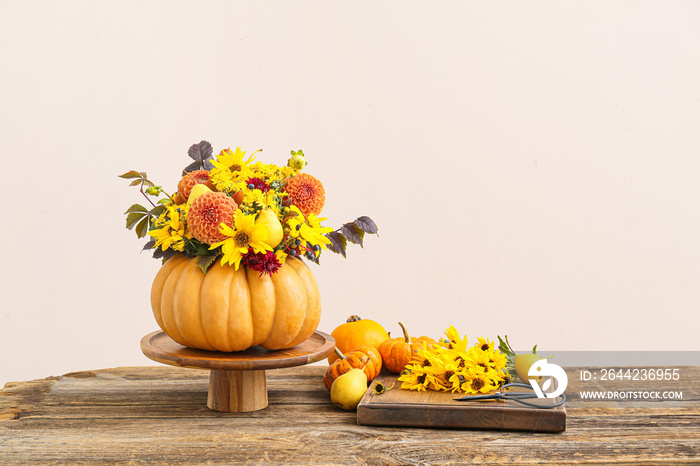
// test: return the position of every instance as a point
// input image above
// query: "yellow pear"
(348, 389)
(523, 363)
(197, 190)
(269, 220)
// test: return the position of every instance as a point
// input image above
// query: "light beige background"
(534, 167)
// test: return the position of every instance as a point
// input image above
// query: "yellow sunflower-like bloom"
(485, 344)
(452, 367)
(171, 233)
(244, 236)
(456, 342)
(478, 383)
(314, 233)
(294, 222)
(233, 162)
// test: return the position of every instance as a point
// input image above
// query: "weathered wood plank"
(159, 415)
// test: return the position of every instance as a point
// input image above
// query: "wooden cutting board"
(406, 408)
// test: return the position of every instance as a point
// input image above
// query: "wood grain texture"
(237, 391)
(406, 408)
(159, 415)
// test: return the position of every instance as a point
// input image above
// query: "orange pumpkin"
(231, 310)
(364, 357)
(357, 332)
(397, 352)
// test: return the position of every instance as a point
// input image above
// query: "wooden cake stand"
(236, 380)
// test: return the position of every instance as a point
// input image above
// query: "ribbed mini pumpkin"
(397, 352)
(232, 310)
(365, 357)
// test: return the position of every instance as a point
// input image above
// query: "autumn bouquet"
(234, 238)
(243, 211)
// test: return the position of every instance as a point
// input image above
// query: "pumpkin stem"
(405, 332)
(353, 319)
(339, 353)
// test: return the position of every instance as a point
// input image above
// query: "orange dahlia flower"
(207, 213)
(307, 193)
(185, 185)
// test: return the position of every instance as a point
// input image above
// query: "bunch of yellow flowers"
(450, 365)
(241, 212)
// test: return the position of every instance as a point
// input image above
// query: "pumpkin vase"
(231, 310)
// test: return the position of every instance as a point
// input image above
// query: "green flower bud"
(297, 161)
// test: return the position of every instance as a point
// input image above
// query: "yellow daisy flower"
(233, 162)
(478, 383)
(485, 344)
(244, 236)
(455, 341)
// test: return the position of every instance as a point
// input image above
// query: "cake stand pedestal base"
(236, 380)
(237, 391)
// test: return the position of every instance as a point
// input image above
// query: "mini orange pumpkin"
(357, 332)
(364, 357)
(397, 352)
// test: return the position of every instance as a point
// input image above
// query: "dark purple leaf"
(338, 242)
(165, 255)
(206, 165)
(200, 152)
(353, 233)
(367, 225)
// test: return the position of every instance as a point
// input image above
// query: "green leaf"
(133, 218)
(142, 228)
(135, 182)
(130, 174)
(136, 208)
(156, 211)
(148, 246)
(367, 225)
(204, 262)
(338, 243)
(353, 233)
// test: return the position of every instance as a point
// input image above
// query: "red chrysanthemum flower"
(307, 193)
(257, 183)
(207, 213)
(185, 185)
(266, 262)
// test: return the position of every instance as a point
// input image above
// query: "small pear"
(348, 389)
(269, 220)
(197, 190)
(523, 363)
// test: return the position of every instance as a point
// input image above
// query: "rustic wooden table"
(160, 415)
